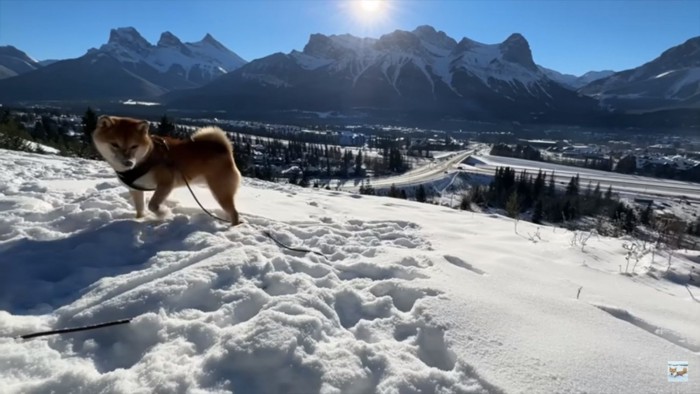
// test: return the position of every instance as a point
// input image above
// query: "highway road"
(631, 185)
(621, 183)
(424, 174)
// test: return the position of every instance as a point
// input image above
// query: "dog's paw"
(160, 211)
(139, 215)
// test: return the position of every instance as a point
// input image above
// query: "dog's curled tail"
(213, 134)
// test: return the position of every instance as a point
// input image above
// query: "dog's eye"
(115, 146)
(133, 147)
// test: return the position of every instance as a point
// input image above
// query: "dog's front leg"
(137, 196)
(159, 196)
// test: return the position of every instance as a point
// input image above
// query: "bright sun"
(370, 6)
(369, 14)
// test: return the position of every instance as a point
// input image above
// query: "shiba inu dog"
(144, 162)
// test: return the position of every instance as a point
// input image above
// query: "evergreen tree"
(476, 195)
(166, 127)
(347, 159)
(608, 194)
(513, 205)
(358, 164)
(293, 178)
(646, 216)
(551, 188)
(421, 195)
(624, 217)
(627, 165)
(304, 182)
(39, 132)
(571, 208)
(394, 192)
(89, 124)
(369, 189)
(13, 136)
(597, 194)
(403, 194)
(538, 212)
(465, 202)
(572, 188)
(538, 186)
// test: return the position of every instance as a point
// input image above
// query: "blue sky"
(572, 36)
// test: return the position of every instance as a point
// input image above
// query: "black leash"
(266, 233)
(161, 141)
(75, 329)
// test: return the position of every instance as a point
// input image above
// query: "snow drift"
(407, 298)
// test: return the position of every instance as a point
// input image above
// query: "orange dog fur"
(161, 162)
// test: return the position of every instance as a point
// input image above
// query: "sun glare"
(370, 6)
(369, 10)
(368, 16)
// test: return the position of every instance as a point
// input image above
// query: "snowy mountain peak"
(466, 44)
(437, 38)
(400, 40)
(319, 45)
(516, 38)
(195, 63)
(168, 39)
(128, 37)
(209, 39)
(516, 49)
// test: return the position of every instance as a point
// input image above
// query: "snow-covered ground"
(408, 297)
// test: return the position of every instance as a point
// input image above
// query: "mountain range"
(127, 66)
(672, 80)
(400, 75)
(419, 73)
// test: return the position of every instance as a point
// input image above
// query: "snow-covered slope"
(573, 81)
(409, 298)
(14, 62)
(672, 80)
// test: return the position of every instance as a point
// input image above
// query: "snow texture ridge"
(408, 297)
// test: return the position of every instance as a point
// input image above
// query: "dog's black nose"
(128, 163)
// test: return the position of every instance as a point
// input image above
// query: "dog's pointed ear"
(144, 127)
(104, 121)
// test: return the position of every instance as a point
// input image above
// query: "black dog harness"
(129, 177)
